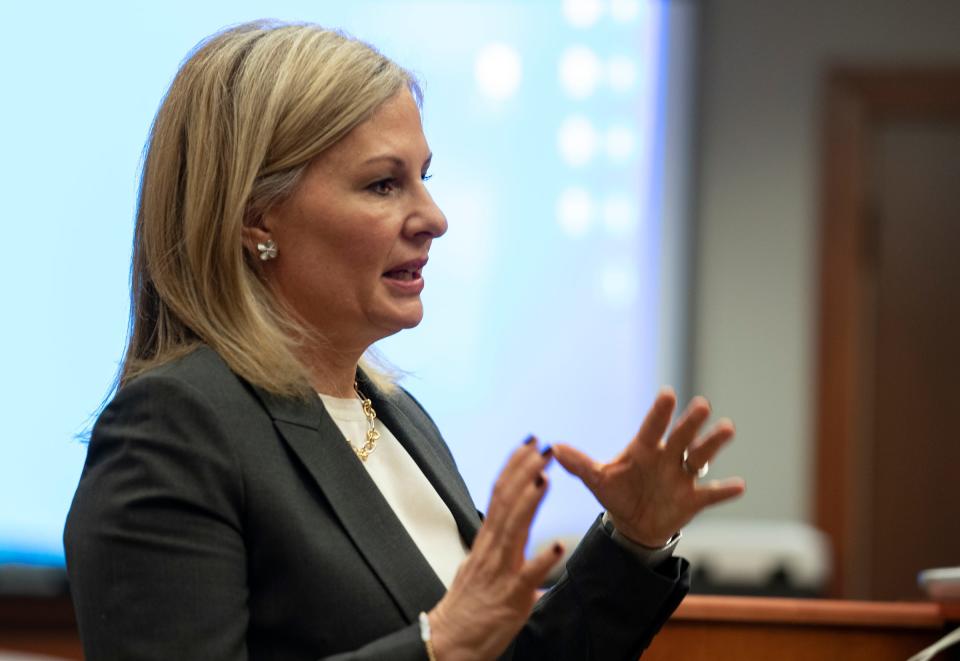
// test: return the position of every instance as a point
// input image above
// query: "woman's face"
(353, 239)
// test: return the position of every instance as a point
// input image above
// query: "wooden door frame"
(857, 102)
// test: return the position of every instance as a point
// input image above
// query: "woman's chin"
(402, 320)
(411, 321)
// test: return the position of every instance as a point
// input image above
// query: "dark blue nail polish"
(530, 439)
(547, 452)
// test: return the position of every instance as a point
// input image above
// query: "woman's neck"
(333, 372)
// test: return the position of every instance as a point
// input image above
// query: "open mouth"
(403, 274)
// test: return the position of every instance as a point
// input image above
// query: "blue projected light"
(541, 301)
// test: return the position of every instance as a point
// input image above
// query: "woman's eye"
(383, 187)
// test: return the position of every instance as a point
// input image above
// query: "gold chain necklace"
(367, 448)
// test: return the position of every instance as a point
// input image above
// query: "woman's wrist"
(440, 644)
(651, 543)
(426, 635)
(445, 644)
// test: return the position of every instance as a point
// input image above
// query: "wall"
(756, 214)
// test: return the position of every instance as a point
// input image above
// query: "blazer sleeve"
(155, 535)
(606, 605)
(153, 540)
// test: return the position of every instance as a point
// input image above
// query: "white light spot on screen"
(619, 214)
(618, 285)
(497, 70)
(582, 13)
(577, 140)
(575, 211)
(579, 71)
(620, 143)
(624, 11)
(621, 72)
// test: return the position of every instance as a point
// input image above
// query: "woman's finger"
(578, 464)
(513, 476)
(536, 569)
(655, 424)
(704, 450)
(516, 528)
(527, 499)
(717, 491)
(697, 412)
(515, 499)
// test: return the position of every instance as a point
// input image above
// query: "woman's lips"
(403, 274)
(404, 281)
(406, 278)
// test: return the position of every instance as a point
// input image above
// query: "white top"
(413, 499)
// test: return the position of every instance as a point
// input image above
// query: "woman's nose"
(428, 218)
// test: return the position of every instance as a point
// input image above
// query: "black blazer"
(216, 521)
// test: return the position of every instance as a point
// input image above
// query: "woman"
(255, 489)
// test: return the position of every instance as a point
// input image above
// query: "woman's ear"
(256, 234)
(253, 237)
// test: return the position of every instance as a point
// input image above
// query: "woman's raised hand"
(649, 490)
(496, 586)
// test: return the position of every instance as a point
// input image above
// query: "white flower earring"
(268, 250)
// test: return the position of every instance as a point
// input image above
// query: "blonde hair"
(244, 116)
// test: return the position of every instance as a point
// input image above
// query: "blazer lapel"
(362, 510)
(437, 468)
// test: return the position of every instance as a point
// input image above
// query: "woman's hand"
(647, 490)
(495, 588)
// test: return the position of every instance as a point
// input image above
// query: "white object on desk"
(749, 553)
(940, 584)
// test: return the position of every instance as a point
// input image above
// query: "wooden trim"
(856, 102)
(714, 628)
(950, 610)
(838, 612)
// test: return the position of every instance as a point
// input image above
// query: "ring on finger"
(696, 472)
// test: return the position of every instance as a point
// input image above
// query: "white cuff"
(651, 557)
